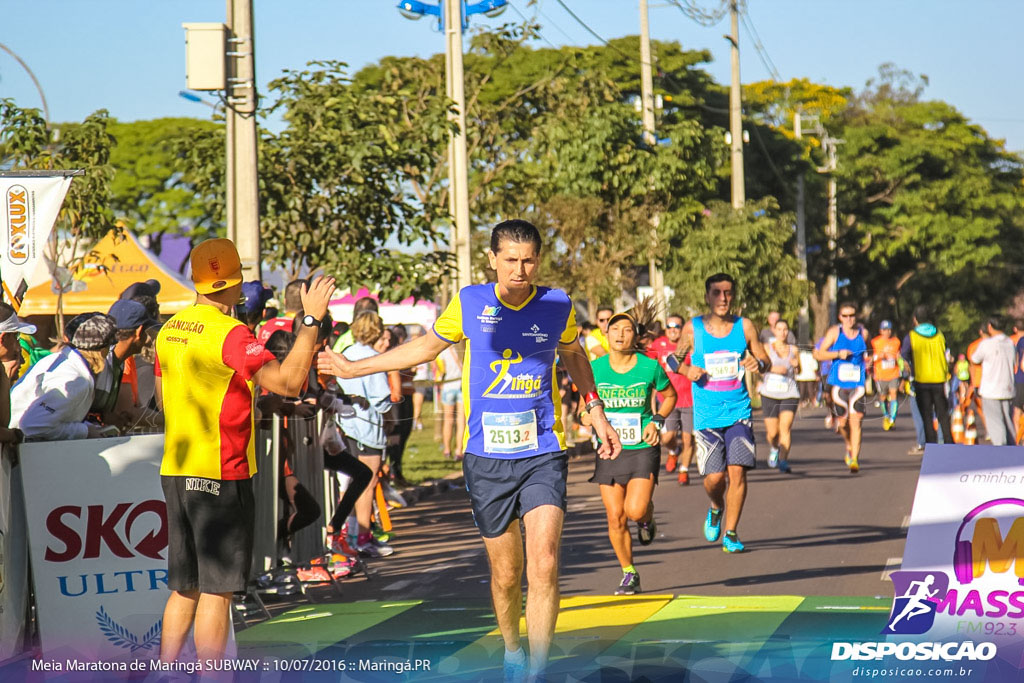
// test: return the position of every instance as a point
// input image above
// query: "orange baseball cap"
(215, 265)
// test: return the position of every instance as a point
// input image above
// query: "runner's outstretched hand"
(611, 445)
(330, 363)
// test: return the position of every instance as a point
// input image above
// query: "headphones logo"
(987, 545)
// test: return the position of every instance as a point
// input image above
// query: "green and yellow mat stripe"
(771, 636)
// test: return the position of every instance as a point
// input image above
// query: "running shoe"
(630, 584)
(645, 531)
(340, 566)
(854, 466)
(886, 423)
(773, 457)
(378, 533)
(916, 450)
(375, 548)
(338, 543)
(684, 477)
(848, 459)
(670, 463)
(713, 525)
(784, 467)
(731, 543)
(514, 667)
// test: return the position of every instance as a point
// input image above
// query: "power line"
(594, 33)
(527, 19)
(590, 30)
(668, 77)
(762, 53)
(700, 15)
(540, 10)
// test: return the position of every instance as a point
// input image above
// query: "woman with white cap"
(51, 401)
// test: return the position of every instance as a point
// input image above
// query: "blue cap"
(255, 296)
(886, 325)
(130, 314)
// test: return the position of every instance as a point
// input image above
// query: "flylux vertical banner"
(29, 204)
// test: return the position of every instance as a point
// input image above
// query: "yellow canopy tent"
(114, 264)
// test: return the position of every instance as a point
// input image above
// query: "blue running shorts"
(720, 447)
(502, 490)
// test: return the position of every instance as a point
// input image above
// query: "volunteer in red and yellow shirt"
(207, 363)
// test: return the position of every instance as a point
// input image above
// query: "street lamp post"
(452, 17)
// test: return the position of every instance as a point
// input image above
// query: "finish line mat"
(598, 638)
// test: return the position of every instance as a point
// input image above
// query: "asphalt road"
(817, 531)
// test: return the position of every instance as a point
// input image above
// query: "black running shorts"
(632, 463)
(771, 407)
(503, 490)
(209, 533)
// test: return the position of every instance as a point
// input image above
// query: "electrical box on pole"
(204, 56)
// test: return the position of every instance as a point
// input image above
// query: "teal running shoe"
(731, 543)
(713, 525)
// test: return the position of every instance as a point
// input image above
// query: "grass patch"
(423, 459)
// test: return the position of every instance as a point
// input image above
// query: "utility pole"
(735, 111)
(831, 229)
(458, 167)
(803, 327)
(243, 207)
(647, 109)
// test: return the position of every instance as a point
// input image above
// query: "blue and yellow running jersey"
(508, 378)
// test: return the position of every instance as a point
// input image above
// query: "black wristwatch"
(658, 420)
(310, 321)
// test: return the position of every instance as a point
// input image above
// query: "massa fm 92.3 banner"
(958, 605)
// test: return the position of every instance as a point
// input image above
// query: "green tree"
(148, 192)
(931, 208)
(85, 217)
(753, 245)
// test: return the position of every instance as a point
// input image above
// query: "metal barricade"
(265, 488)
(307, 463)
(308, 466)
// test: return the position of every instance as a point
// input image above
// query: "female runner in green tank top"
(627, 381)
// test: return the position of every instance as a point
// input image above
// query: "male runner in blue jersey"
(723, 347)
(515, 463)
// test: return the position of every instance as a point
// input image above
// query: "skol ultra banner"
(28, 209)
(97, 529)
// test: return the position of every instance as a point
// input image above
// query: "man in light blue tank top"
(846, 346)
(724, 347)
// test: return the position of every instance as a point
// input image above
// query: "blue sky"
(128, 55)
